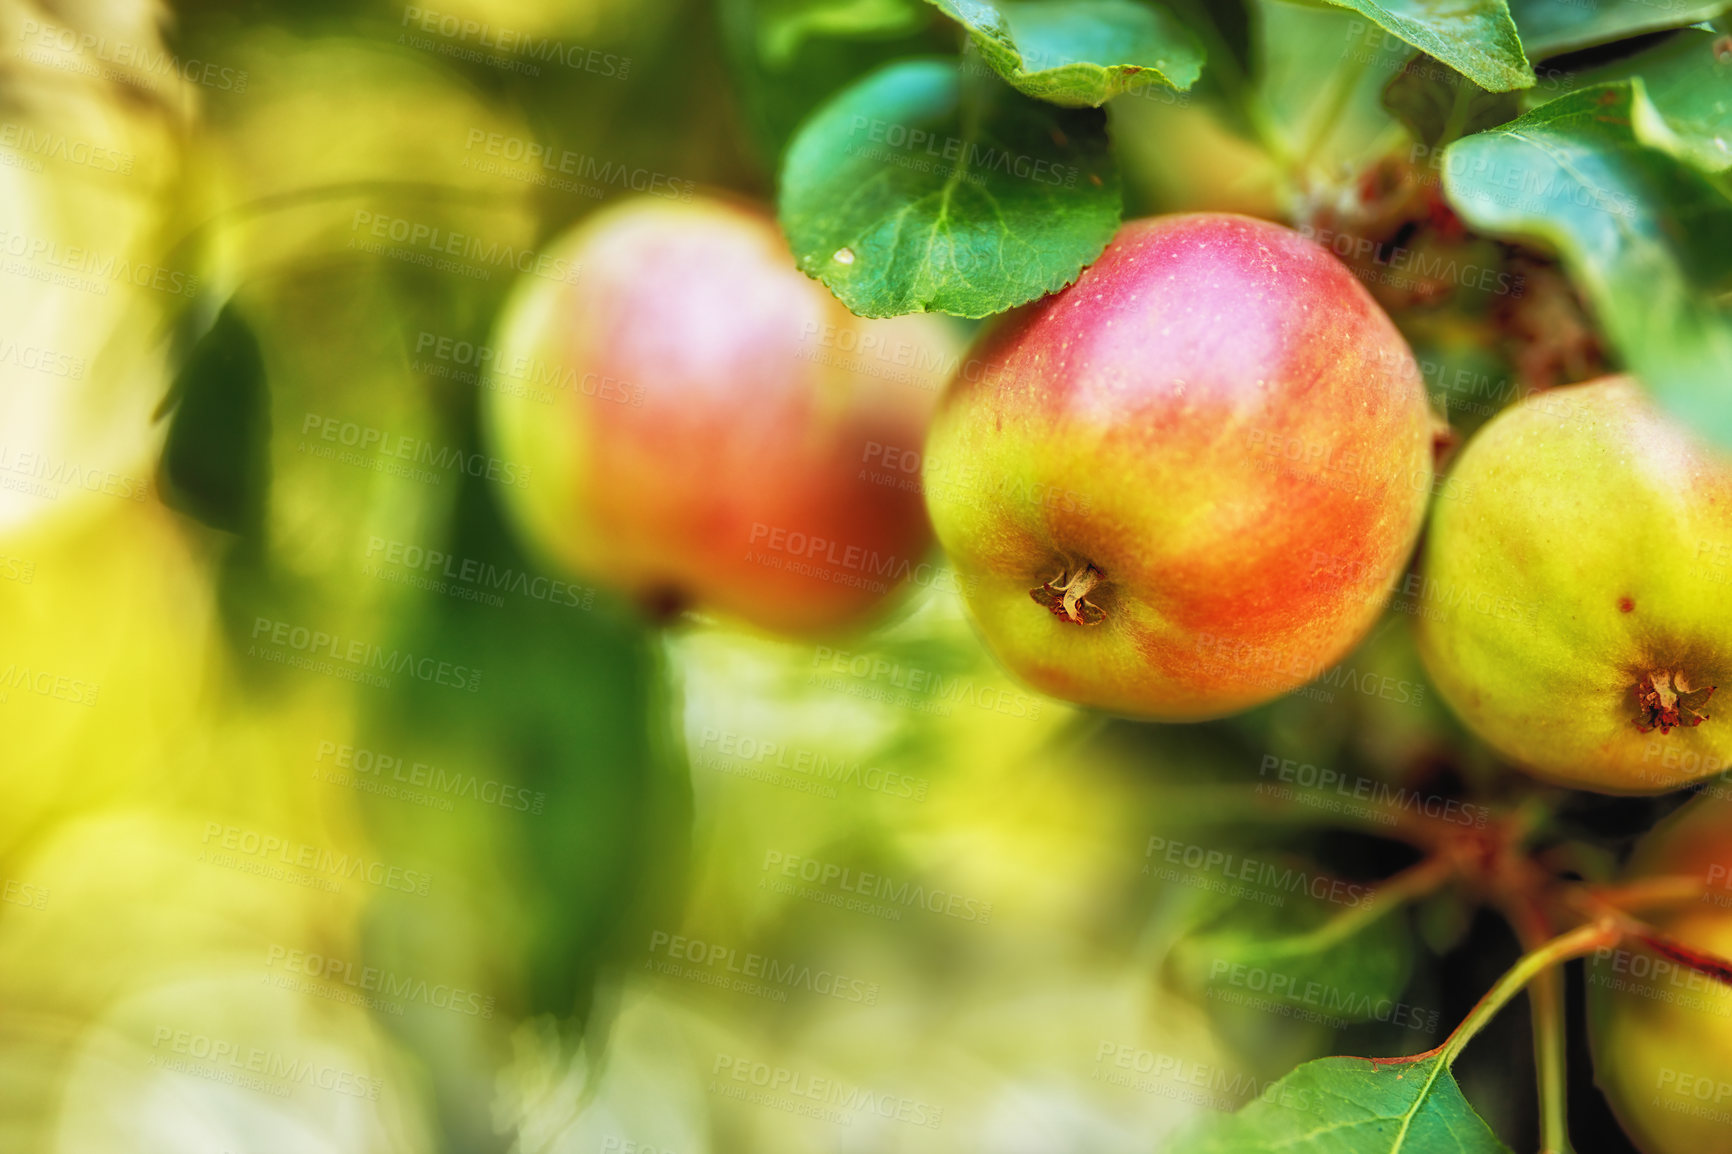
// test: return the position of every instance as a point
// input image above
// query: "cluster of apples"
(1183, 486)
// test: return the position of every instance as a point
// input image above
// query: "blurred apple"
(706, 426)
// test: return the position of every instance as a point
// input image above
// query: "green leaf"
(1285, 953)
(1079, 52)
(923, 188)
(1438, 105)
(1355, 1106)
(1683, 98)
(1647, 239)
(1477, 38)
(214, 461)
(1550, 27)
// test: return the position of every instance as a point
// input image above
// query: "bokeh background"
(594, 884)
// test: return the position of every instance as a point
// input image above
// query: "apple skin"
(711, 443)
(1217, 420)
(1660, 1031)
(1578, 558)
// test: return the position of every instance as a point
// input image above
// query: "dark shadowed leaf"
(1439, 105)
(214, 461)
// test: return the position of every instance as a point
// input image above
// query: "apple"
(701, 424)
(1185, 484)
(1661, 1030)
(1574, 599)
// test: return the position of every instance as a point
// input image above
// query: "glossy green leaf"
(1683, 97)
(1079, 52)
(1550, 27)
(1477, 38)
(925, 188)
(1354, 1106)
(1646, 238)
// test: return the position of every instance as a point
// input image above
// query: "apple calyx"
(1066, 595)
(1665, 702)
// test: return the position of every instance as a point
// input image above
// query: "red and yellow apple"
(1661, 1027)
(1185, 484)
(1575, 597)
(700, 420)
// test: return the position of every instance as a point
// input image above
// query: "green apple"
(1185, 484)
(1661, 1030)
(1574, 606)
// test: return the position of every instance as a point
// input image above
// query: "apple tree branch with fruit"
(1445, 315)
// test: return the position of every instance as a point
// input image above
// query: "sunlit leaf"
(923, 189)
(1355, 1106)
(1476, 38)
(1083, 52)
(1648, 239)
